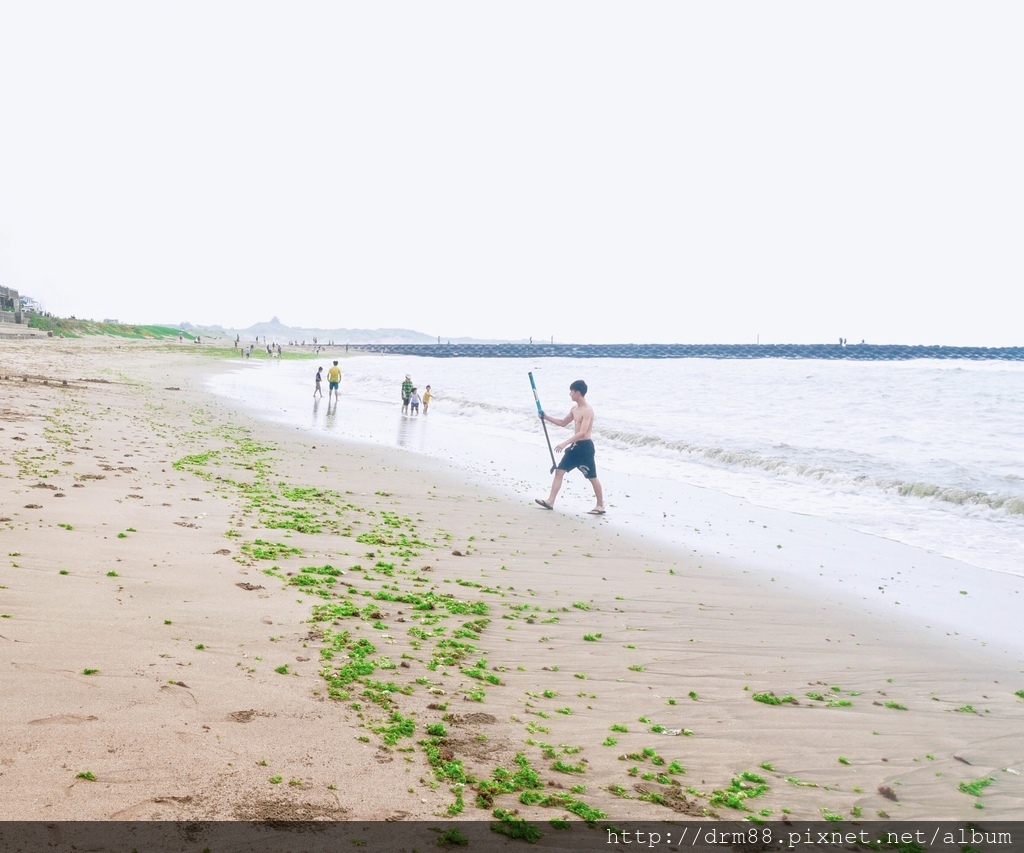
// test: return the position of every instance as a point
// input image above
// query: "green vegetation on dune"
(73, 328)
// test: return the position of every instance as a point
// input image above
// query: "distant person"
(414, 401)
(406, 393)
(319, 377)
(333, 381)
(580, 453)
(181, 337)
(426, 399)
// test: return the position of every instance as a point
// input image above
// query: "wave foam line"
(728, 458)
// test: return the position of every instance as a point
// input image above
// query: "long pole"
(543, 422)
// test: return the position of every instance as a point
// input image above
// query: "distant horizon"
(467, 339)
(403, 336)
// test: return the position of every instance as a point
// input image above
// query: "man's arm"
(558, 421)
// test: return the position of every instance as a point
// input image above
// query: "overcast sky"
(593, 171)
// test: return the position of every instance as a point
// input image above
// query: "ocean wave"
(962, 497)
(820, 474)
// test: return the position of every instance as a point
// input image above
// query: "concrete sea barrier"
(851, 352)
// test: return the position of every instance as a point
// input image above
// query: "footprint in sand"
(63, 719)
(247, 716)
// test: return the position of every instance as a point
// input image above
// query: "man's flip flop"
(544, 504)
(596, 511)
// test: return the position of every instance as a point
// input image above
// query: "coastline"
(873, 557)
(170, 730)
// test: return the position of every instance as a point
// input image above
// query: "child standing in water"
(426, 399)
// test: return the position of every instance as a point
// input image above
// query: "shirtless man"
(580, 453)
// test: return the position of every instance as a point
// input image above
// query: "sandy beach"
(205, 616)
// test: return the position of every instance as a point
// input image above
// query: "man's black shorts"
(580, 455)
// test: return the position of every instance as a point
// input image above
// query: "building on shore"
(11, 307)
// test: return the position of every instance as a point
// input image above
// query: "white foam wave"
(796, 470)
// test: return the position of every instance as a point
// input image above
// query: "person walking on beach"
(580, 452)
(319, 377)
(414, 401)
(426, 399)
(333, 380)
(406, 393)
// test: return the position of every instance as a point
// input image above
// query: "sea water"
(920, 453)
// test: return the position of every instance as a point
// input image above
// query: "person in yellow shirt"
(426, 399)
(333, 379)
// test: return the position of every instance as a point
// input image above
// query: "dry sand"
(156, 662)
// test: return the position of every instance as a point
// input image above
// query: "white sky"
(600, 172)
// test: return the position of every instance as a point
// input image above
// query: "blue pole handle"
(533, 385)
(543, 423)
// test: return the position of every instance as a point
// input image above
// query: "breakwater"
(852, 352)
